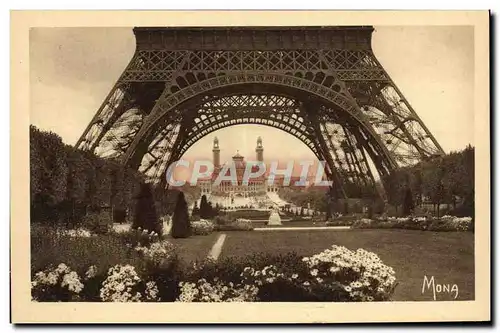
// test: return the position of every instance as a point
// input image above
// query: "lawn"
(448, 256)
(195, 247)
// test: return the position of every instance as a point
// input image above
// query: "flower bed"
(202, 227)
(79, 232)
(237, 225)
(56, 284)
(336, 274)
(445, 223)
(453, 223)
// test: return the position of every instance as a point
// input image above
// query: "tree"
(328, 213)
(346, 207)
(408, 204)
(204, 208)
(432, 177)
(196, 210)
(145, 215)
(181, 226)
(210, 211)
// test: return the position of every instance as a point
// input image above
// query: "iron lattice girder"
(211, 116)
(156, 65)
(395, 121)
(333, 67)
(165, 108)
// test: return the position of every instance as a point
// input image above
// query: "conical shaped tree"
(145, 215)
(408, 205)
(196, 210)
(181, 226)
(204, 209)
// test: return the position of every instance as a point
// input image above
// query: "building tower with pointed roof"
(216, 153)
(254, 186)
(259, 150)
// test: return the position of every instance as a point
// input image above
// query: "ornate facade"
(237, 187)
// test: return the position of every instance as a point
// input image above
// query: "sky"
(73, 69)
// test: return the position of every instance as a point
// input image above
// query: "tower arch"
(351, 109)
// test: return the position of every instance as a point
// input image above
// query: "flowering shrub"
(139, 237)
(398, 219)
(157, 253)
(151, 291)
(361, 274)
(59, 284)
(336, 274)
(445, 223)
(363, 223)
(340, 222)
(120, 228)
(98, 222)
(239, 224)
(202, 227)
(79, 232)
(223, 220)
(268, 274)
(452, 223)
(217, 291)
(123, 284)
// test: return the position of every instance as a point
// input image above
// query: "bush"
(339, 222)
(138, 237)
(59, 284)
(66, 182)
(446, 223)
(145, 212)
(238, 225)
(79, 250)
(202, 227)
(452, 223)
(95, 259)
(223, 220)
(181, 227)
(98, 222)
(119, 215)
(153, 273)
(337, 274)
(249, 214)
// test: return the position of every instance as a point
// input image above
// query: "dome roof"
(237, 155)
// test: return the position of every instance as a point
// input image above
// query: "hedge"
(68, 183)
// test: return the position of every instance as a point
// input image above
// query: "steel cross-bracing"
(323, 85)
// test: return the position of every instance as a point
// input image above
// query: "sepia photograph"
(296, 165)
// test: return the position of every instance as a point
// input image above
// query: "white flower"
(91, 272)
(120, 277)
(52, 278)
(157, 252)
(151, 291)
(62, 268)
(72, 281)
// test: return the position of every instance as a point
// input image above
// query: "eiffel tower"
(323, 85)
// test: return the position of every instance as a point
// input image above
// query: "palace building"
(236, 187)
